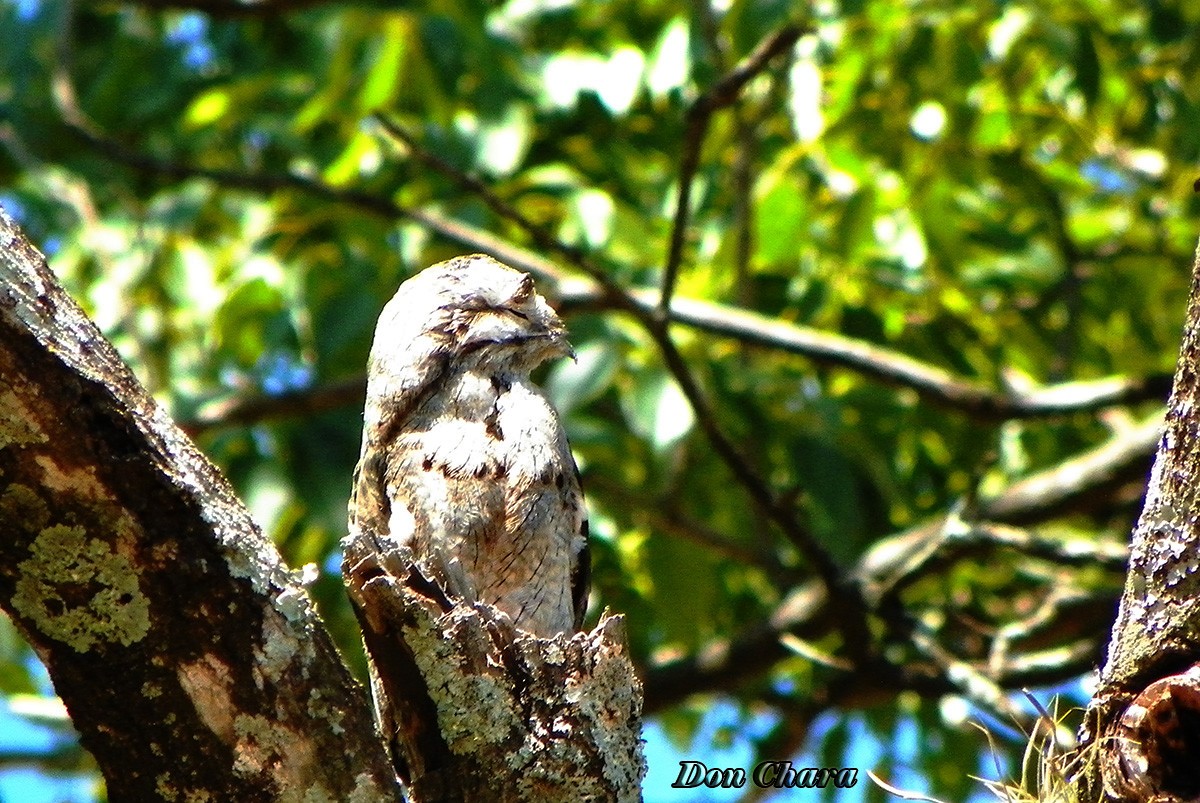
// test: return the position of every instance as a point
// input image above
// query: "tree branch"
(249, 410)
(482, 711)
(931, 383)
(1078, 483)
(179, 641)
(806, 614)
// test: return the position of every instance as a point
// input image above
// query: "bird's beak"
(558, 338)
(556, 331)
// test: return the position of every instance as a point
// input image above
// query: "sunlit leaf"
(657, 410)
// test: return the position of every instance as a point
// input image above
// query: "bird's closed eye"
(518, 314)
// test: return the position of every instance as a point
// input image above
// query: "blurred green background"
(999, 190)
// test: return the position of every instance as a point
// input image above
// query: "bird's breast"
(489, 426)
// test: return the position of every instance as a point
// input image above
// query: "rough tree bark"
(1141, 733)
(188, 655)
(486, 712)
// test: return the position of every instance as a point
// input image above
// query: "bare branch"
(931, 383)
(895, 563)
(1079, 482)
(726, 664)
(241, 411)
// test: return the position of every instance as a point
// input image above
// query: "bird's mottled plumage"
(464, 459)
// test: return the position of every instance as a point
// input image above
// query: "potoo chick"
(464, 459)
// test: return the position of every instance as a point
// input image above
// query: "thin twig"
(477, 188)
(241, 411)
(721, 94)
(903, 794)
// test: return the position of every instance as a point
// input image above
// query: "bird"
(464, 458)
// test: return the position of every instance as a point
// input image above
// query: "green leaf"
(657, 410)
(387, 66)
(207, 108)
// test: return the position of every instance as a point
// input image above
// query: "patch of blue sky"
(663, 757)
(866, 750)
(1105, 177)
(281, 373)
(30, 785)
(190, 34)
(18, 735)
(13, 206)
(27, 10)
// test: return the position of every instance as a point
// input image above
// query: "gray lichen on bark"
(488, 712)
(1159, 615)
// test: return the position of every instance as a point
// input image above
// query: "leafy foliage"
(999, 190)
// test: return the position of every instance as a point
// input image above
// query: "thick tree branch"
(485, 713)
(1151, 677)
(174, 633)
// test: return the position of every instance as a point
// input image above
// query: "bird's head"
(495, 311)
(481, 312)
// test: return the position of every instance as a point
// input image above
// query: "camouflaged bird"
(464, 459)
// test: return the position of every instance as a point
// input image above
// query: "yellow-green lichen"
(17, 425)
(366, 790)
(79, 591)
(22, 507)
(321, 709)
(266, 747)
(473, 709)
(317, 794)
(165, 787)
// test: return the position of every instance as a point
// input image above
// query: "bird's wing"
(581, 570)
(397, 384)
